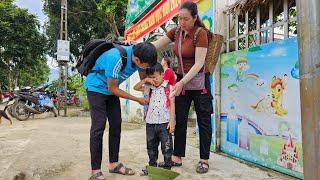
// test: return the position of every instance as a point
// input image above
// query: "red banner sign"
(161, 13)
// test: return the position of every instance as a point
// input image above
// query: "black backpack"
(93, 50)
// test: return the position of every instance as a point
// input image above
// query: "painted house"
(288, 156)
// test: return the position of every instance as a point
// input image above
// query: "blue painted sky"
(274, 59)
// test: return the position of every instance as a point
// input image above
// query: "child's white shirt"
(158, 112)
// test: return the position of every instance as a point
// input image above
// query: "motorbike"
(6, 95)
(32, 102)
(72, 98)
(9, 100)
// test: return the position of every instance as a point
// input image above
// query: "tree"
(87, 19)
(34, 75)
(114, 11)
(22, 45)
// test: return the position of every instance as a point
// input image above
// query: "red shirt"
(170, 77)
(188, 48)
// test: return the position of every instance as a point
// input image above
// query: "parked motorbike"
(36, 102)
(73, 99)
(6, 95)
(55, 99)
(9, 101)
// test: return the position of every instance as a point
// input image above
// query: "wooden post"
(309, 53)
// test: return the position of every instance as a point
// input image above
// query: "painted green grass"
(275, 145)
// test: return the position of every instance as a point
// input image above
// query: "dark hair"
(156, 68)
(146, 52)
(167, 60)
(193, 9)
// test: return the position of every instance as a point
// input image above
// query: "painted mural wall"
(260, 106)
(205, 9)
(206, 13)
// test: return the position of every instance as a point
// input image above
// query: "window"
(262, 22)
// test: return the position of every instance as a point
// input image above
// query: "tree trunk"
(16, 82)
(112, 24)
(10, 81)
(0, 92)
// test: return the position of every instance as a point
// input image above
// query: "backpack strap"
(150, 93)
(147, 109)
(176, 33)
(123, 55)
(167, 93)
(196, 36)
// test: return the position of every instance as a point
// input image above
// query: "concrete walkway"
(58, 148)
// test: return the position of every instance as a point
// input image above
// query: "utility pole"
(309, 57)
(63, 58)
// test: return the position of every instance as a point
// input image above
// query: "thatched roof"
(242, 6)
(245, 5)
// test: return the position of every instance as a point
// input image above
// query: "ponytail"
(199, 23)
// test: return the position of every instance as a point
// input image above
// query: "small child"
(168, 75)
(160, 115)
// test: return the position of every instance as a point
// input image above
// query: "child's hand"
(171, 126)
(142, 101)
(149, 81)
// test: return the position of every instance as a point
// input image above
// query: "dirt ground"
(58, 149)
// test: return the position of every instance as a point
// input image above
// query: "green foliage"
(87, 19)
(76, 82)
(84, 23)
(34, 75)
(22, 47)
(112, 6)
(114, 12)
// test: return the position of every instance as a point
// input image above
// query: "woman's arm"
(162, 42)
(171, 125)
(200, 57)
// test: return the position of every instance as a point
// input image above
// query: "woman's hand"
(178, 88)
(171, 126)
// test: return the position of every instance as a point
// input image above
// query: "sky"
(35, 7)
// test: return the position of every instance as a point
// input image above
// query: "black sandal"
(96, 176)
(201, 169)
(144, 172)
(173, 164)
(127, 171)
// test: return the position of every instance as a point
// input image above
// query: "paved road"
(57, 148)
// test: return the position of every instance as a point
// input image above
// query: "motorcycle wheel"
(10, 111)
(20, 112)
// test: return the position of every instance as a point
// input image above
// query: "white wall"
(221, 15)
(131, 107)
